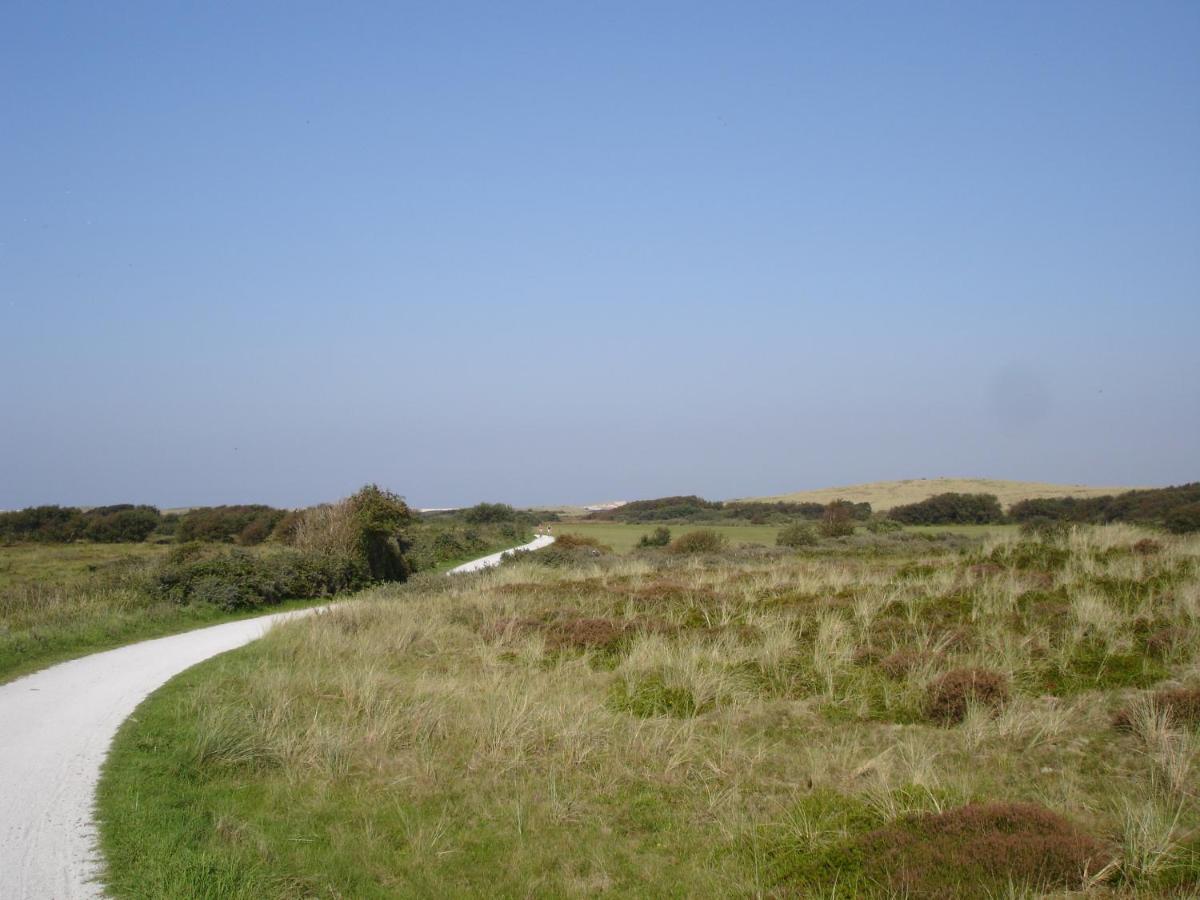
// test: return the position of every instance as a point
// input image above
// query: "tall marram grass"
(732, 725)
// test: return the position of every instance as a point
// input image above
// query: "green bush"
(284, 531)
(248, 524)
(1184, 519)
(369, 528)
(702, 541)
(382, 518)
(1154, 506)
(46, 524)
(797, 535)
(660, 537)
(484, 513)
(238, 579)
(119, 524)
(125, 524)
(883, 526)
(838, 520)
(950, 509)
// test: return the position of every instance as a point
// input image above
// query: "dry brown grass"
(982, 848)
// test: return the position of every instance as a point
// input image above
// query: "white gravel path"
(55, 730)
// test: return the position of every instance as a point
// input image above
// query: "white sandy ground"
(55, 730)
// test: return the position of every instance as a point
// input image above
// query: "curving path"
(55, 729)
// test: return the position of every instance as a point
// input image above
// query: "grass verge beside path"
(1008, 717)
(60, 602)
(25, 653)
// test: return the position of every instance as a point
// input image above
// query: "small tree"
(368, 528)
(838, 520)
(798, 534)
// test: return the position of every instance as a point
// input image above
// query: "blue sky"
(583, 251)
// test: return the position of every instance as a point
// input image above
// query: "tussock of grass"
(752, 722)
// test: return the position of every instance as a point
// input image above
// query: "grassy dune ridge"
(749, 724)
(883, 495)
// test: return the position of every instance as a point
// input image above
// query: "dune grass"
(623, 537)
(757, 723)
(883, 495)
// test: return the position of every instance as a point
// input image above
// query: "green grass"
(59, 602)
(657, 725)
(623, 538)
(62, 601)
(494, 546)
(58, 563)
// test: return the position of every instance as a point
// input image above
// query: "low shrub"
(798, 534)
(1184, 519)
(123, 524)
(120, 524)
(486, 513)
(704, 540)
(950, 695)
(369, 529)
(660, 537)
(246, 524)
(567, 549)
(980, 850)
(572, 633)
(898, 664)
(237, 579)
(1181, 706)
(284, 531)
(838, 520)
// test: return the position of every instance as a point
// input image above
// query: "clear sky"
(543, 252)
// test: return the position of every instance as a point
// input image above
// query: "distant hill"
(883, 495)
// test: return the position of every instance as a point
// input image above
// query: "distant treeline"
(127, 523)
(209, 554)
(456, 533)
(691, 508)
(950, 509)
(123, 523)
(1174, 508)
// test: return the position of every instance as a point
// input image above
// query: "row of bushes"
(950, 509)
(123, 523)
(1175, 508)
(239, 579)
(695, 509)
(245, 524)
(129, 523)
(333, 548)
